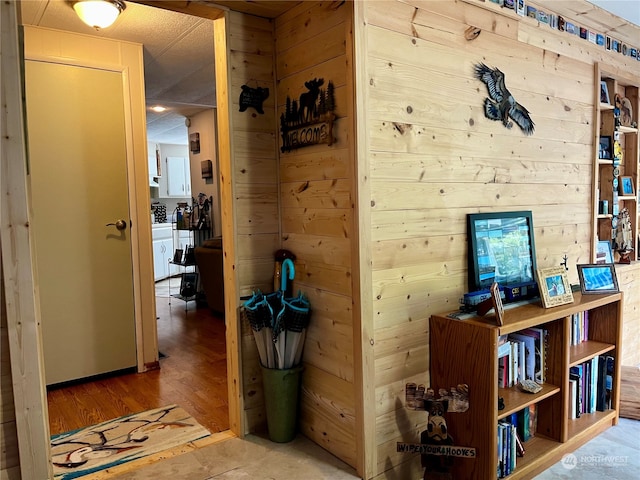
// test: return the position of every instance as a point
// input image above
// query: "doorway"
(78, 399)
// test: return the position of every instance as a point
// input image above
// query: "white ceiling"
(178, 58)
(627, 9)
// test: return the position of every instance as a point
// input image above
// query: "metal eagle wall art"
(500, 105)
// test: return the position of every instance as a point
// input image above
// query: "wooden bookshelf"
(466, 351)
(603, 188)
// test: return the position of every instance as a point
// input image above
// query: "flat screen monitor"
(501, 249)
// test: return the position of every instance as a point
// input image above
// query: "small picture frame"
(604, 93)
(206, 169)
(626, 187)
(598, 279)
(194, 142)
(604, 151)
(554, 286)
(190, 256)
(189, 284)
(177, 255)
(604, 253)
(496, 300)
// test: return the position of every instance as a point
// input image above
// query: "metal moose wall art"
(309, 120)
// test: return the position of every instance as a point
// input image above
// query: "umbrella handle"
(288, 271)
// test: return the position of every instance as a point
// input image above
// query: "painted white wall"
(205, 124)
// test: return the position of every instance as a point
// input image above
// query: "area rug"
(122, 440)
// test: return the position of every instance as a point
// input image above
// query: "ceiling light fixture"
(99, 13)
(158, 108)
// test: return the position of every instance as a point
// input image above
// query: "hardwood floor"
(630, 392)
(193, 375)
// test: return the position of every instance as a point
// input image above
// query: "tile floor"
(613, 455)
(254, 458)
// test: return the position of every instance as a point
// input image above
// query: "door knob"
(120, 224)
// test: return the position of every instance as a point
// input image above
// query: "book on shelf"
(500, 460)
(579, 327)
(527, 421)
(593, 393)
(507, 448)
(528, 345)
(609, 380)
(573, 393)
(593, 379)
(576, 374)
(517, 359)
(586, 382)
(540, 340)
(515, 364)
(601, 401)
(504, 362)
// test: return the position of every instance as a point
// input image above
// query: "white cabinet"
(178, 177)
(153, 166)
(162, 251)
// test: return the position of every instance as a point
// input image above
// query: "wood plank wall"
(313, 40)
(9, 457)
(629, 283)
(251, 177)
(433, 158)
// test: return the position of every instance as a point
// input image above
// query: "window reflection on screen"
(598, 278)
(503, 251)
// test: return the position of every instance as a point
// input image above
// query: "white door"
(78, 175)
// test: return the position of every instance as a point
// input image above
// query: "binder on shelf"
(609, 380)
(601, 402)
(576, 373)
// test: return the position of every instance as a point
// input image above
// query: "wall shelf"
(608, 119)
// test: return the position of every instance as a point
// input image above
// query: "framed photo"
(206, 168)
(496, 300)
(189, 284)
(604, 93)
(177, 255)
(598, 278)
(554, 286)
(626, 186)
(190, 256)
(604, 254)
(194, 142)
(604, 151)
